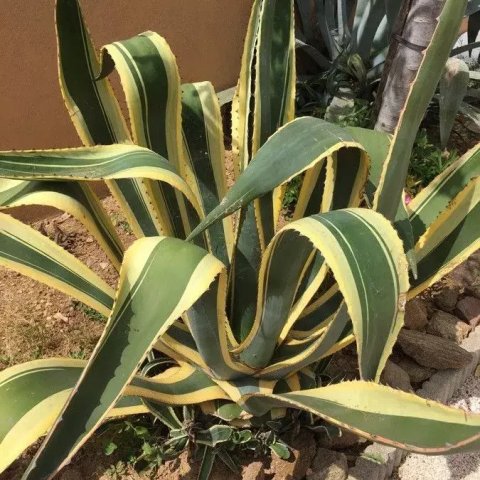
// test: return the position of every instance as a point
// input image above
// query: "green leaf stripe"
(203, 140)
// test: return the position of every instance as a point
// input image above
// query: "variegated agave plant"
(244, 309)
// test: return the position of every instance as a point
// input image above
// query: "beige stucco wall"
(205, 35)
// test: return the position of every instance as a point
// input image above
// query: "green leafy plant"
(120, 222)
(427, 162)
(90, 312)
(243, 311)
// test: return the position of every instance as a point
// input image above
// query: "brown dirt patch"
(37, 321)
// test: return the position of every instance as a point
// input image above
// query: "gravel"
(451, 467)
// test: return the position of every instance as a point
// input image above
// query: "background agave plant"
(342, 49)
(243, 309)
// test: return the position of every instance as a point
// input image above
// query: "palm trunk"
(412, 33)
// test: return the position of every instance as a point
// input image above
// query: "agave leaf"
(324, 27)
(450, 239)
(373, 11)
(464, 48)
(305, 10)
(112, 162)
(377, 145)
(149, 76)
(205, 152)
(26, 418)
(27, 251)
(317, 315)
(473, 117)
(95, 112)
(209, 327)
(264, 101)
(294, 355)
(342, 19)
(277, 162)
(163, 413)
(225, 410)
(140, 315)
(435, 198)
(473, 25)
(473, 6)
(343, 239)
(453, 87)
(385, 415)
(281, 159)
(77, 199)
(313, 54)
(54, 380)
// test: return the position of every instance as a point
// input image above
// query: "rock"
(61, 317)
(103, 265)
(253, 471)
(467, 272)
(416, 315)
(447, 298)
(432, 351)
(89, 240)
(365, 469)
(468, 309)
(347, 439)
(328, 465)
(62, 218)
(396, 377)
(303, 450)
(473, 290)
(416, 372)
(448, 326)
(386, 457)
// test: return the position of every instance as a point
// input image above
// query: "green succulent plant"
(243, 309)
(342, 47)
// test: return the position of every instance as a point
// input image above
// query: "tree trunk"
(413, 32)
